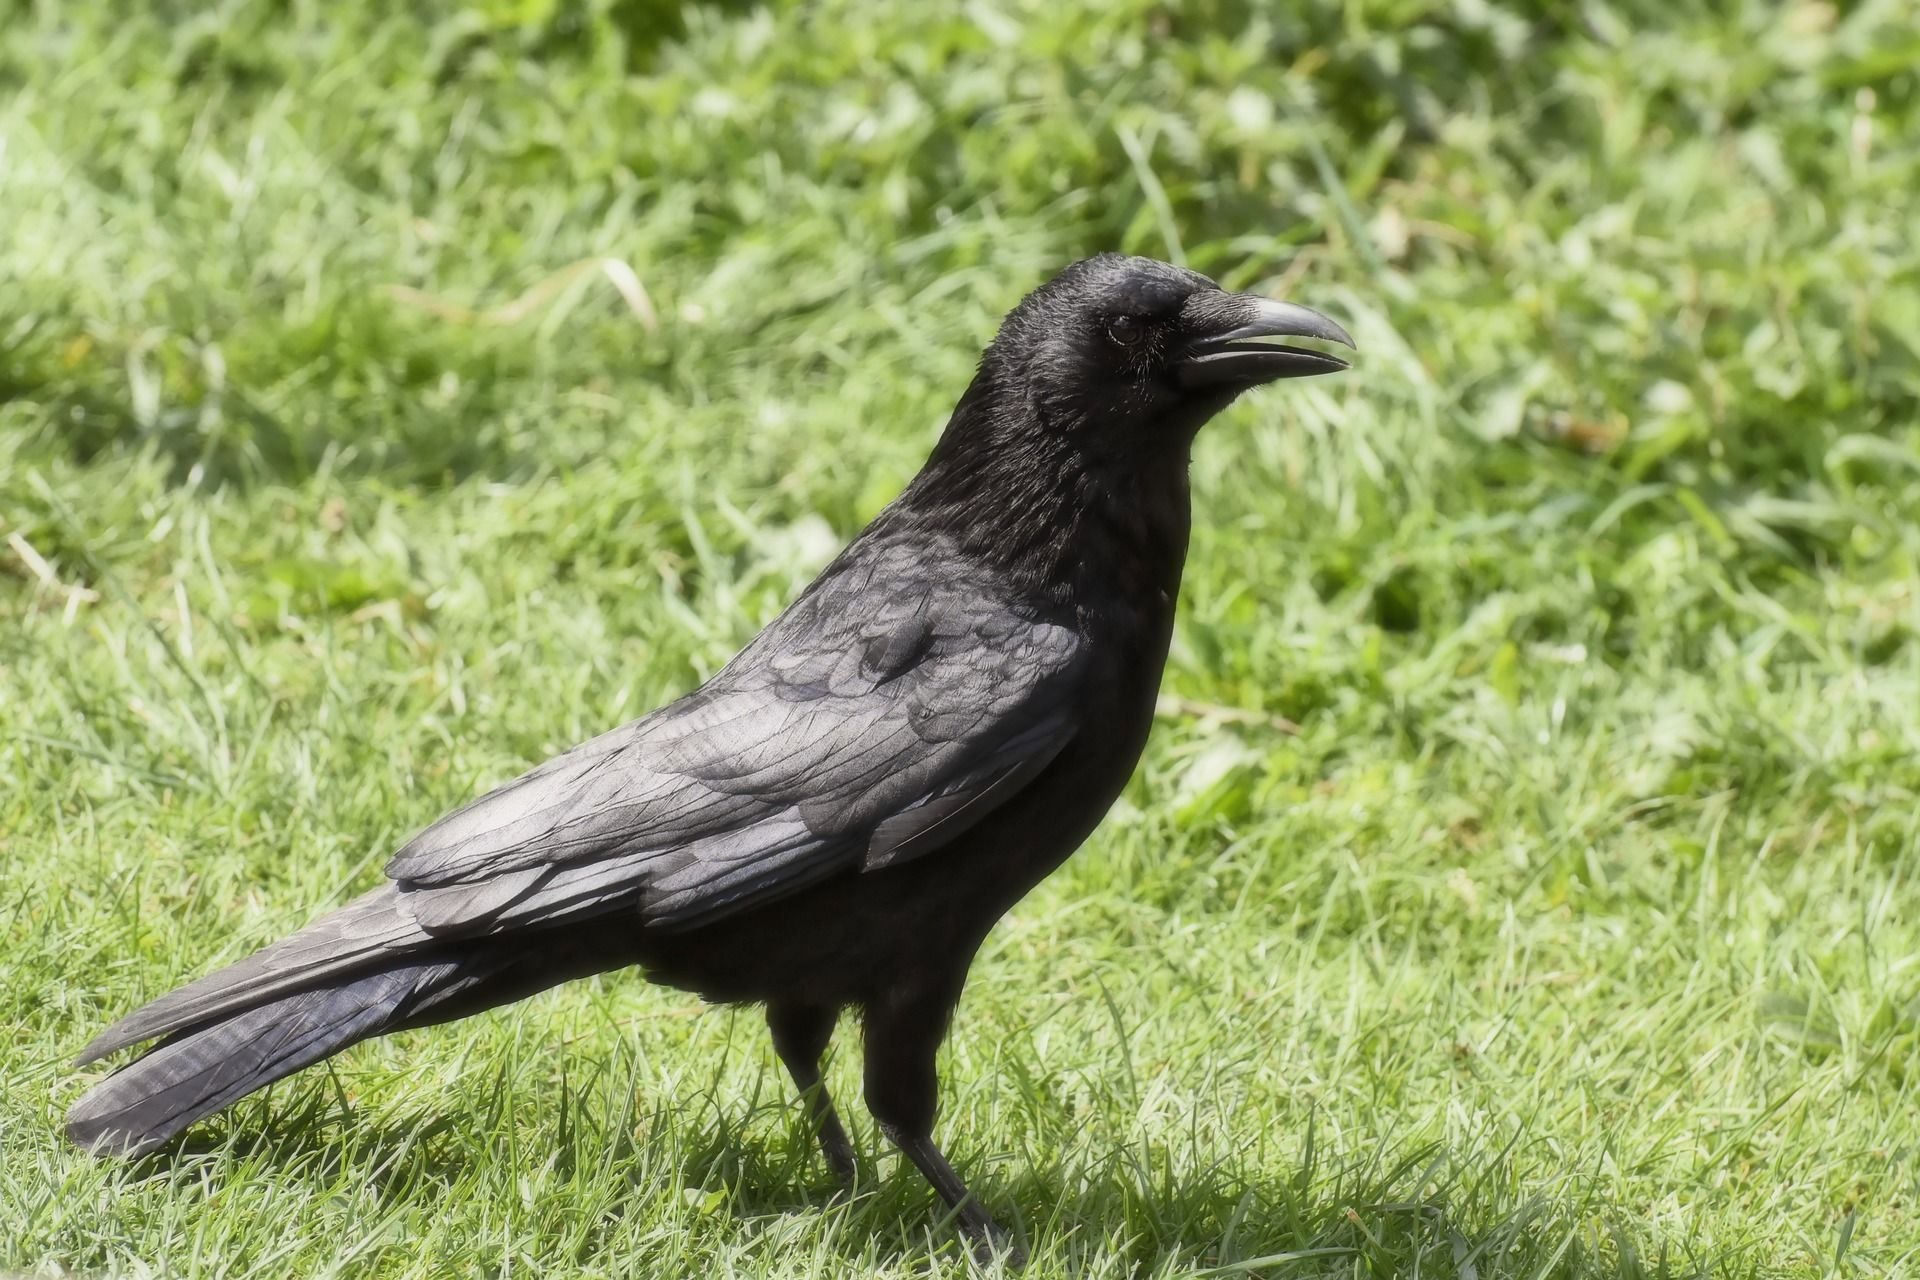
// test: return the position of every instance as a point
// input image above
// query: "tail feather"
(369, 932)
(202, 1070)
(267, 1017)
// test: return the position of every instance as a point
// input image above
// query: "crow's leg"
(903, 1039)
(800, 1035)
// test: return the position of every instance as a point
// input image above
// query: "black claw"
(840, 1159)
(989, 1242)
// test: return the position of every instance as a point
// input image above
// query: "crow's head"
(1134, 352)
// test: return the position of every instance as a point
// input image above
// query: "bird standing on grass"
(840, 815)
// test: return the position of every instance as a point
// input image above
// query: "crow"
(837, 818)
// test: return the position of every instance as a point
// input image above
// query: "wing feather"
(896, 703)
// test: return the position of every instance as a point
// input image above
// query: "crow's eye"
(1125, 330)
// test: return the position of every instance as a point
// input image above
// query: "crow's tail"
(367, 969)
(201, 1069)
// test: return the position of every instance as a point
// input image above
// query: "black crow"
(839, 816)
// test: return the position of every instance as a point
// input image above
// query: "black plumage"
(838, 817)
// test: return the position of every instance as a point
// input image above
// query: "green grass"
(1574, 932)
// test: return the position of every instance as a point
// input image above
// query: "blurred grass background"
(1521, 882)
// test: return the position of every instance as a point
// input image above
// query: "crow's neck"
(1028, 498)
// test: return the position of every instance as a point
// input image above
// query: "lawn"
(1522, 878)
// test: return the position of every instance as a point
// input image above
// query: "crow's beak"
(1236, 358)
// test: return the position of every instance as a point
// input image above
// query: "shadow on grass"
(1418, 1209)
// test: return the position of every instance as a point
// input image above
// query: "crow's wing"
(896, 703)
